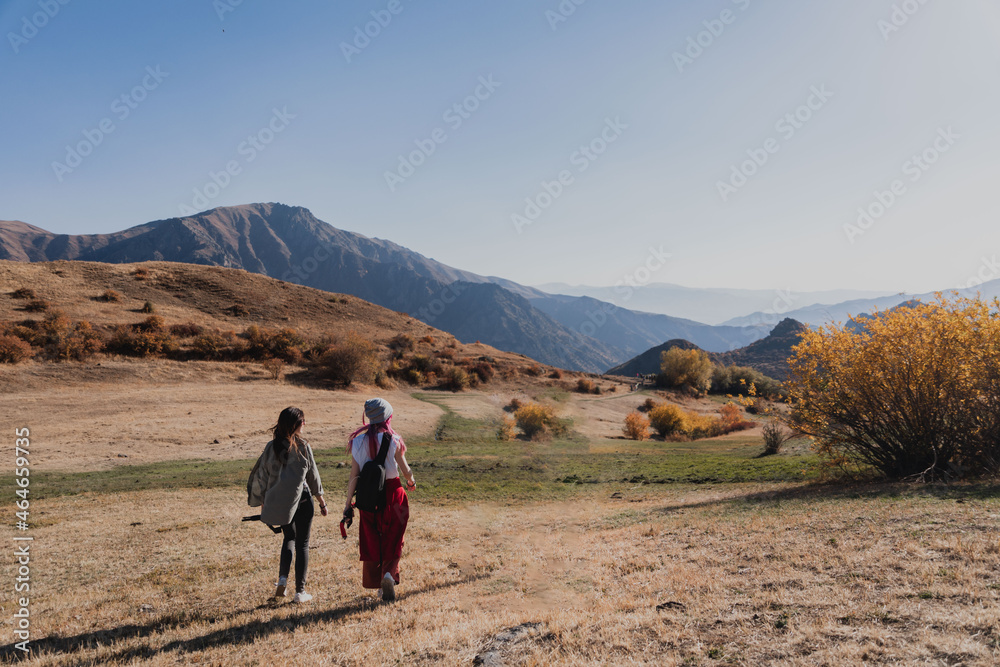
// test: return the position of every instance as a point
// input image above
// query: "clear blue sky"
(221, 76)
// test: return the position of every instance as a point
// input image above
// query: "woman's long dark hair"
(289, 421)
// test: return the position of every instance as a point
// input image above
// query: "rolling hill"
(768, 355)
(291, 244)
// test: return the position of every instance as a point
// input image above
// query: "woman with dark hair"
(380, 533)
(285, 478)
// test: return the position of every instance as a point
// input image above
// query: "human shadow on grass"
(247, 633)
(821, 492)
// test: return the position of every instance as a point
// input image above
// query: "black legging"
(297, 533)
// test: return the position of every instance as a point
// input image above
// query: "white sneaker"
(302, 597)
(388, 588)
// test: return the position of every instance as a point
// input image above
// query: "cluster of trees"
(694, 371)
(672, 421)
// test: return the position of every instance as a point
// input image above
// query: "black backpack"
(371, 482)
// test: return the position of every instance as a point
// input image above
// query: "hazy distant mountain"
(290, 243)
(820, 314)
(708, 305)
(632, 331)
(768, 355)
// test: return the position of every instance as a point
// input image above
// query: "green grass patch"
(463, 460)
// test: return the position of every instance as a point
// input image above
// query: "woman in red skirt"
(381, 533)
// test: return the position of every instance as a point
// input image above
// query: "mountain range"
(290, 243)
(711, 305)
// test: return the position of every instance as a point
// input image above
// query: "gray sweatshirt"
(277, 488)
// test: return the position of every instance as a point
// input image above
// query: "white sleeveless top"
(359, 451)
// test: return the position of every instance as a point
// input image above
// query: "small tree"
(686, 369)
(352, 360)
(667, 419)
(534, 419)
(636, 426)
(275, 367)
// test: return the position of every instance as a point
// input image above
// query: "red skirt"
(381, 533)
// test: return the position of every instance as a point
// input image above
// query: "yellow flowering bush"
(913, 391)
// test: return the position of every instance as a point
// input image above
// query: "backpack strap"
(383, 451)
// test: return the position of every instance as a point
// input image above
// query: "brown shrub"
(81, 342)
(351, 360)
(483, 370)
(647, 405)
(446, 353)
(284, 344)
(402, 342)
(141, 273)
(556, 374)
(456, 379)
(775, 436)
(533, 371)
(429, 340)
(186, 330)
(514, 405)
(152, 324)
(636, 426)
(23, 293)
(141, 340)
(27, 331)
(585, 386)
(420, 362)
(275, 367)
(213, 345)
(148, 307)
(13, 350)
(110, 296)
(37, 306)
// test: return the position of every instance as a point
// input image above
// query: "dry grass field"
(733, 574)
